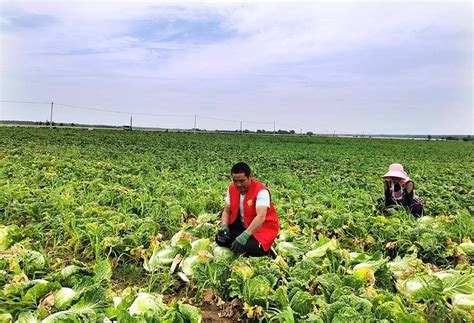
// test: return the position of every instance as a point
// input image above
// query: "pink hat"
(396, 170)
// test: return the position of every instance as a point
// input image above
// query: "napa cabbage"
(71, 275)
(288, 249)
(456, 282)
(64, 297)
(39, 289)
(400, 265)
(349, 308)
(189, 264)
(32, 261)
(366, 270)
(257, 291)
(301, 303)
(468, 248)
(463, 301)
(190, 313)
(160, 258)
(321, 247)
(27, 317)
(427, 221)
(8, 235)
(223, 252)
(420, 287)
(147, 305)
(200, 245)
(181, 238)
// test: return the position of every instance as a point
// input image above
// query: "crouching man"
(249, 219)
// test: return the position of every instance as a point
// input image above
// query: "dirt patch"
(214, 309)
(214, 315)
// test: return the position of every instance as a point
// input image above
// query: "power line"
(32, 102)
(195, 116)
(91, 109)
(123, 112)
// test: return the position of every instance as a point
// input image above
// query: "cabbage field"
(110, 225)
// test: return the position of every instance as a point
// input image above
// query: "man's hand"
(238, 246)
(225, 228)
(224, 234)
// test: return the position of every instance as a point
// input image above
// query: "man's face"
(242, 182)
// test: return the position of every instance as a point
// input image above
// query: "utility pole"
(273, 127)
(240, 126)
(131, 122)
(51, 116)
(195, 120)
(301, 131)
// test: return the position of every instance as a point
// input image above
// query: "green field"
(90, 211)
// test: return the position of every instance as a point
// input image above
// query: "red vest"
(269, 229)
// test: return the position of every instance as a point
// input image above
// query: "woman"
(399, 189)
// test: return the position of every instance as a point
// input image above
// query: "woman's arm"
(408, 196)
(388, 195)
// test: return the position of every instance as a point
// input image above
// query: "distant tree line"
(259, 131)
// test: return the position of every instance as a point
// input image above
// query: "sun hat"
(396, 170)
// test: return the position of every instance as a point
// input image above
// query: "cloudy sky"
(346, 67)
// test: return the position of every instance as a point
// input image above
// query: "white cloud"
(264, 61)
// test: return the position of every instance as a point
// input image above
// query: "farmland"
(88, 213)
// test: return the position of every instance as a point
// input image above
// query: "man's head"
(241, 177)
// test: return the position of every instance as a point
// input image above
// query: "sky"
(387, 67)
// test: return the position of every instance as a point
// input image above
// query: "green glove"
(225, 228)
(243, 238)
(238, 246)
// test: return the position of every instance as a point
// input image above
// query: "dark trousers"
(253, 248)
(415, 207)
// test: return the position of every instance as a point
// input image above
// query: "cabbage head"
(223, 252)
(400, 265)
(464, 302)
(71, 275)
(468, 248)
(181, 313)
(181, 238)
(201, 245)
(147, 305)
(32, 261)
(390, 310)
(349, 308)
(302, 303)
(161, 258)
(366, 271)
(188, 264)
(257, 291)
(288, 249)
(190, 313)
(8, 235)
(27, 317)
(321, 247)
(64, 297)
(420, 287)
